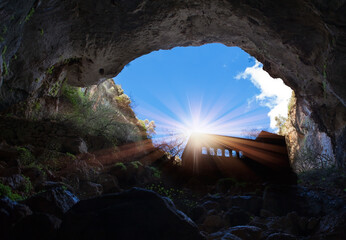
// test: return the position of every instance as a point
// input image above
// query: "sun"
(196, 128)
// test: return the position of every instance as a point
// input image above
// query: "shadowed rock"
(134, 214)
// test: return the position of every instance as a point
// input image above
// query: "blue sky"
(211, 88)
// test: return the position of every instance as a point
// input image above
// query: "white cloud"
(274, 93)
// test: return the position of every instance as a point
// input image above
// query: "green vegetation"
(121, 166)
(4, 65)
(41, 31)
(14, 57)
(27, 185)
(25, 156)
(74, 95)
(38, 166)
(182, 199)
(29, 15)
(73, 157)
(118, 125)
(1, 39)
(324, 84)
(6, 191)
(49, 157)
(155, 172)
(136, 164)
(4, 50)
(37, 106)
(55, 88)
(147, 126)
(4, 29)
(50, 70)
(291, 101)
(68, 60)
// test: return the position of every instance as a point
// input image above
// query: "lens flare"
(180, 119)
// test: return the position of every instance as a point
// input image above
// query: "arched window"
(204, 151)
(240, 154)
(211, 151)
(219, 152)
(234, 153)
(226, 153)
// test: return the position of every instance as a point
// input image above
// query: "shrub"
(155, 172)
(27, 185)
(121, 166)
(308, 159)
(50, 70)
(6, 191)
(73, 94)
(98, 119)
(136, 164)
(25, 156)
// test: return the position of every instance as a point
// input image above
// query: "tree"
(280, 124)
(148, 126)
(252, 133)
(174, 144)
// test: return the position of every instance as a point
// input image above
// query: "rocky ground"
(81, 198)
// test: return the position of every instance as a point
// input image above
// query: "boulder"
(16, 182)
(47, 185)
(281, 236)
(213, 223)
(246, 232)
(55, 201)
(223, 236)
(109, 183)
(280, 199)
(35, 175)
(198, 213)
(89, 189)
(237, 216)
(37, 226)
(133, 214)
(251, 204)
(11, 212)
(211, 205)
(333, 226)
(74, 145)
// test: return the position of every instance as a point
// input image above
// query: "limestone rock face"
(308, 146)
(86, 42)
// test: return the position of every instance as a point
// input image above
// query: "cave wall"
(85, 42)
(308, 147)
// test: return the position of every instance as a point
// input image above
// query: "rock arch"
(86, 41)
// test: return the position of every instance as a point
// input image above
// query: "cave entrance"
(211, 89)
